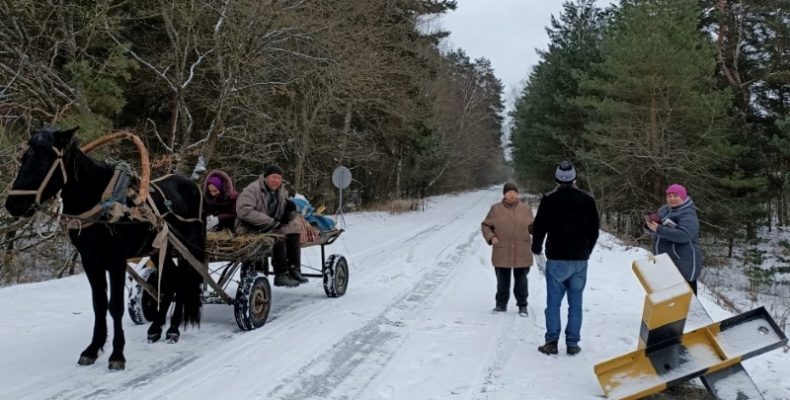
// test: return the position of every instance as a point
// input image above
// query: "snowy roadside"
(415, 324)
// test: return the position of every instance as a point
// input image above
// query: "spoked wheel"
(142, 306)
(335, 275)
(253, 302)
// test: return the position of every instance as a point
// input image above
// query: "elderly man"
(264, 206)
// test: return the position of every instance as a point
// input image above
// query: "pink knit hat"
(679, 190)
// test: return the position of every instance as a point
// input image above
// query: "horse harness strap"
(112, 203)
(58, 163)
(165, 236)
(168, 203)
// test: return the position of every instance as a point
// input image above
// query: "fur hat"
(565, 173)
(509, 186)
(679, 190)
(272, 169)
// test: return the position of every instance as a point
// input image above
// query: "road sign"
(341, 177)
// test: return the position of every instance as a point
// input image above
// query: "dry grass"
(399, 206)
(225, 245)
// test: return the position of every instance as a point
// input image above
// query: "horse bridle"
(58, 163)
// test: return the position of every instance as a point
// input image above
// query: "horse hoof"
(84, 360)
(173, 337)
(117, 365)
(154, 337)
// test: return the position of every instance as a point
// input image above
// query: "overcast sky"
(507, 32)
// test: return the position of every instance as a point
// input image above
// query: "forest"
(653, 92)
(238, 85)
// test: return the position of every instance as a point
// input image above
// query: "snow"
(414, 324)
(672, 292)
(659, 273)
(736, 385)
(698, 357)
(746, 337)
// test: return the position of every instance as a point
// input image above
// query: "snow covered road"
(414, 324)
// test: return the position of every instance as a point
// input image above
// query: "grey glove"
(540, 261)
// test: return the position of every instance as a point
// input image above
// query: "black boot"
(285, 280)
(549, 348)
(295, 274)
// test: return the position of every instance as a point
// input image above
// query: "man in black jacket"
(568, 218)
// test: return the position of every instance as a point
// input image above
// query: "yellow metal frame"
(665, 356)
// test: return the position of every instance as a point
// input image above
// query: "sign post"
(341, 178)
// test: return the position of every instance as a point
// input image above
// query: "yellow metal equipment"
(666, 356)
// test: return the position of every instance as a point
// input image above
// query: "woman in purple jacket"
(220, 199)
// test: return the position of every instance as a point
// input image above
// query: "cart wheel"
(253, 302)
(142, 306)
(335, 275)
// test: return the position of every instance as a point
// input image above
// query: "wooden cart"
(248, 266)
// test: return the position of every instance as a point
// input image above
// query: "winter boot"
(574, 350)
(549, 348)
(285, 280)
(499, 309)
(295, 274)
(522, 311)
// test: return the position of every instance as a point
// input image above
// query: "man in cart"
(263, 206)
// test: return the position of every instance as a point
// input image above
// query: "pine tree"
(656, 115)
(751, 42)
(547, 125)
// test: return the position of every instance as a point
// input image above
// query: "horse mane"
(89, 177)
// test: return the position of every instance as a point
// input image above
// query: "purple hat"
(216, 181)
(679, 190)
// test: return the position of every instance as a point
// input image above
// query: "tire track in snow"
(135, 381)
(365, 351)
(305, 314)
(377, 338)
(497, 361)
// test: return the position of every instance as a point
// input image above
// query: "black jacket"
(568, 217)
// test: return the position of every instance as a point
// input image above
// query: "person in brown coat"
(506, 229)
(263, 206)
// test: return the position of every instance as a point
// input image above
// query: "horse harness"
(112, 205)
(58, 163)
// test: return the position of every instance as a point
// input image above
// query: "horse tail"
(189, 285)
(189, 291)
(186, 202)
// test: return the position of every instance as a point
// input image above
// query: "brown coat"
(510, 225)
(251, 213)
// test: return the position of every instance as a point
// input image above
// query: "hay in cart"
(225, 245)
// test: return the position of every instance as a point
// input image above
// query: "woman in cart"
(220, 199)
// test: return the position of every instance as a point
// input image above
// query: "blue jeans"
(565, 276)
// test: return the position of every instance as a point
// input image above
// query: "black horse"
(52, 163)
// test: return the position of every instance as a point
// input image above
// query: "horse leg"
(117, 278)
(173, 334)
(166, 293)
(98, 282)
